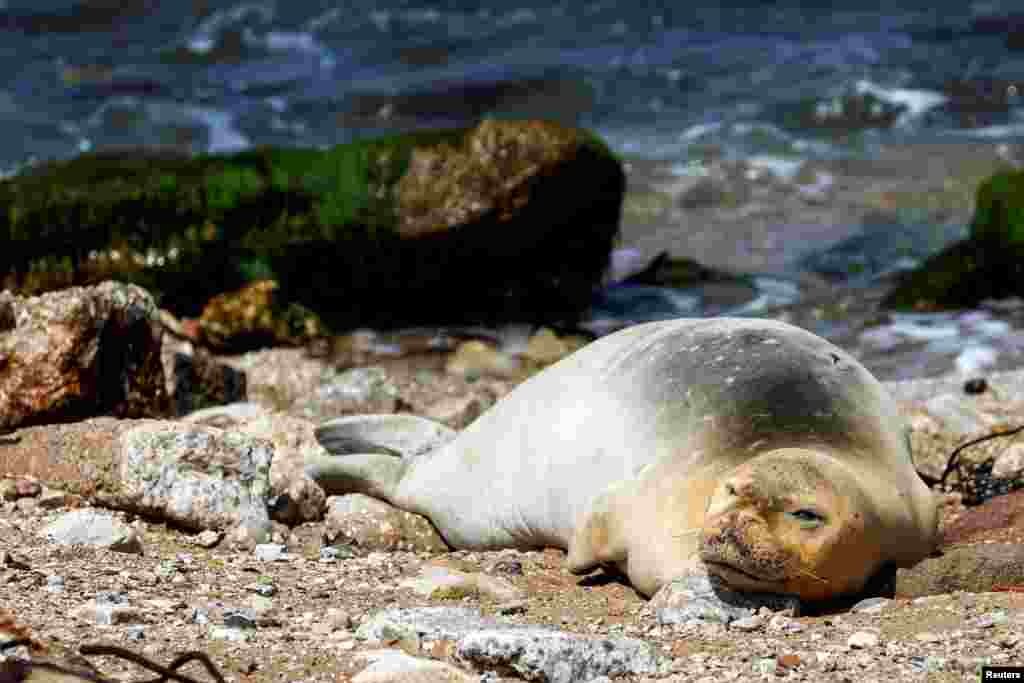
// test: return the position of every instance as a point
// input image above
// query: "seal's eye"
(809, 519)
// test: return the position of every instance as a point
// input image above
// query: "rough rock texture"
(535, 653)
(539, 654)
(253, 317)
(469, 212)
(395, 666)
(81, 352)
(372, 524)
(704, 597)
(95, 528)
(297, 498)
(198, 477)
(193, 476)
(985, 265)
(977, 568)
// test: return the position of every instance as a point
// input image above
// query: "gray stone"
(271, 552)
(199, 477)
(93, 528)
(298, 499)
(871, 605)
(536, 653)
(430, 623)
(395, 666)
(703, 597)
(542, 654)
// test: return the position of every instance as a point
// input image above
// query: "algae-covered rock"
(989, 264)
(511, 218)
(514, 221)
(254, 317)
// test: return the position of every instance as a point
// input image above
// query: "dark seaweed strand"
(953, 457)
(166, 674)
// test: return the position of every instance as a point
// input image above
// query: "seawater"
(655, 79)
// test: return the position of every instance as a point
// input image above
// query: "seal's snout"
(742, 485)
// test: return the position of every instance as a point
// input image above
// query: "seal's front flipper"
(600, 536)
(370, 453)
(405, 436)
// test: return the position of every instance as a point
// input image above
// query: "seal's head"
(794, 521)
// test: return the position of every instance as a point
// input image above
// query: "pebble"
(862, 640)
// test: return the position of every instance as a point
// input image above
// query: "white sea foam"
(771, 292)
(976, 358)
(916, 101)
(223, 136)
(784, 169)
(698, 131)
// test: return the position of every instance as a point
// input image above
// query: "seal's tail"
(369, 453)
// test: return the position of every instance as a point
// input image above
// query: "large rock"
(512, 220)
(81, 352)
(254, 317)
(535, 653)
(193, 476)
(432, 225)
(988, 264)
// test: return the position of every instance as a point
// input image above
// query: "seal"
(751, 447)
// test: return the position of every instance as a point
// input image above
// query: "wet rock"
(93, 528)
(461, 103)
(974, 569)
(373, 524)
(855, 110)
(81, 352)
(985, 265)
(1010, 26)
(470, 208)
(978, 102)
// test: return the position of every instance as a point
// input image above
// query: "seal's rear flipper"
(369, 453)
(374, 474)
(405, 436)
